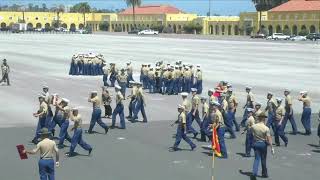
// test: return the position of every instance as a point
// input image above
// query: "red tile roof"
(152, 9)
(298, 5)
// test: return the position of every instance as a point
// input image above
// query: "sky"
(201, 7)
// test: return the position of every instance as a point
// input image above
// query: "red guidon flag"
(215, 143)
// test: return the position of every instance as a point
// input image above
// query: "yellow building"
(294, 17)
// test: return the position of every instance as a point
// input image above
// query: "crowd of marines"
(87, 64)
(217, 110)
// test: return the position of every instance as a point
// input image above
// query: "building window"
(288, 17)
(45, 18)
(296, 16)
(280, 16)
(304, 16)
(10, 18)
(37, 18)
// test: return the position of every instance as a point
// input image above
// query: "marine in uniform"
(113, 74)
(5, 72)
(122, 81)
(205, 115)
(129, 73)
(181, 130)
(195, 101)
(158, 80)
(306, 113)
(139, 105)
(271, 108)
(47, 99)
(106, 100)
(289, 113)
(187, 108)
(218, 123)
(249, 104)
(42, 115)
(165, 77)
(77, 134)
(261, 140)
(249, 137)
(58, 114)
(279, 129)
(47, 150)
(65, 109)
(96, 113)
(119, 109)
(199, 80)
(151, 78)
(257, 110)
(133, 99)
(232, 108)
(187, 80)
(228, 117)
(105, 75)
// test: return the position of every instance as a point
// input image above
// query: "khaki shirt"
(271, 105)
(288, 103)
(250, 122)
(145, 70)
(182, 118)
(177, 73)
(166, 74)
(306, 101)
(5, 69)
(66, 113)
(105, 70)
(129, 69)
(106, 99)
(96, 102)
(187, 105)
(250, 99)
(280, 112)
(205, 109)
(46, 147)
(43, 109)
(77, 121)
(187, 74)
(122, 78)
(257, 113)
(195, 101)
(218, 118)
(199, 75)
(232, 101)
(151, 74)
(134, 91)
(260, 131)
(225, 105)
(119, 98)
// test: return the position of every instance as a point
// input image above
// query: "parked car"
(19, 27)
(269, 38)
(148, 32)
(280, 36)
(298, 38)
(38, 29)
(313, 36)
(258, 36)
(134, 31)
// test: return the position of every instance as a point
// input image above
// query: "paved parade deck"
(143, 153)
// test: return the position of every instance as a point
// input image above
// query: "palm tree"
(58, 9)
(133, 3)
(265, 5)
(84, 8)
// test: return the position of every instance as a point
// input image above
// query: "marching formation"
(87, 64)
(214, 114)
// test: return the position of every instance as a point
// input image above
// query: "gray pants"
(5, 77)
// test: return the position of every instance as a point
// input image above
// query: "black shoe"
(90, 150)
(129, 117)
(112, 127)
(88, 132)
(265, 175)
(253, 177)
(195, 135)
(106, 130)
(286, 144)
(193, 147)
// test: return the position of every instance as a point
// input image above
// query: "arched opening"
(222, 29)
(169, 26)
(236, 30)
(29, 26)
(131, 27)
(270, 30)
(64, 25)
(303, 28)
(38, 25)
(72, 27)
(303, 31)
(81, 26)
(286, 30)
(128, 29)
(148, 26)
(211, 29)
(263, 30)
(174, 28)
(294, 30)
(217, 30)
(312, 29)
(278, 29)
(123, 28)
(179, 27)
(229, 29)
(47, 26)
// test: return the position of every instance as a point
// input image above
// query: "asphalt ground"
(38, 59)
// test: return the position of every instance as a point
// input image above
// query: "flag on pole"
(215, 143)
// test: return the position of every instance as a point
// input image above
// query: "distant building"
(293, 18)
